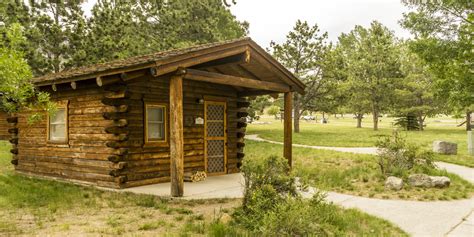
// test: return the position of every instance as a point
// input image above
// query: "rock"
(420, 180)
(446, 148)
(394, 183)
(440, 181)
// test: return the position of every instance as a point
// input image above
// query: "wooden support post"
(176, 136)
(288, 111)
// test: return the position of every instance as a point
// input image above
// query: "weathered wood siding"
(85, 156)
(150, 163)
(106, 142)
(4, 135)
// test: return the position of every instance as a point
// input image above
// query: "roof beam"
(237, 59)
(197, 75)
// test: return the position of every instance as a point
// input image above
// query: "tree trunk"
(359, 120)
(324, 118)
(420, 122)
(468, 121)
(375, 114)
(296, 113)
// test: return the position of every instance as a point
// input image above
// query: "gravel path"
(438, 218)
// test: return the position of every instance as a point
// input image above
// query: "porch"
(222, 186)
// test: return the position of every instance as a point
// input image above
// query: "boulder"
(440, 181)
(419, 180)
(446, 148)
(394, 183)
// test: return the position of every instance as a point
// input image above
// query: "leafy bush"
(269, 177)
(398, 158)
(272, 205)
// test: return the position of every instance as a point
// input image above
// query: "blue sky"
(272, 19)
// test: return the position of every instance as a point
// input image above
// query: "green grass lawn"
(342, 132)
(30, 206)
(355, 174)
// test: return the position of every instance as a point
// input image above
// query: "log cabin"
(149, 119)
(4, 135)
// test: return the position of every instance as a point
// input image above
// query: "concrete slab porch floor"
(222, 186)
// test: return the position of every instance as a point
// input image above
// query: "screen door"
(215, 137)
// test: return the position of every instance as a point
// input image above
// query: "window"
(155, 129)
(58, 126)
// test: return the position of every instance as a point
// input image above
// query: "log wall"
(150, 163)
(106, 138)
(4, 135)
(85, 156)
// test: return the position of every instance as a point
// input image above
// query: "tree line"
(369, 70)
(59, 35)
(43, 36)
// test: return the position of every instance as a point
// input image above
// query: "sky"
(273, 19)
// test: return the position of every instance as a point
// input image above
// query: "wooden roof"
(240, 58)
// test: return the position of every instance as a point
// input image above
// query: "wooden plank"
(197, 75)
(287, 129)
(176, 136)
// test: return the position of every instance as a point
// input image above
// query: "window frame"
(165, 123)
(64, 106)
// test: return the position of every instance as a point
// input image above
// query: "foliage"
(408, 122)
(54, 31)
(18, 93)
(59, 35)
(415, 96)
(444, 39)
(258, 105)
(304, 53)
(267, 177)
(397, 157)
(273, 110)
(371, 66)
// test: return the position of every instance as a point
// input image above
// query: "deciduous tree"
(444, 39)
(372, 67)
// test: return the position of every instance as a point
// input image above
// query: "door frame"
(206, 138)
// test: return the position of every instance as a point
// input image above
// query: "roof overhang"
(235, 59)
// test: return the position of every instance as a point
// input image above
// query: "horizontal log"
(245, 104)
(117, 158)
(114, 115)
(218, 78)
(13, 141)
(241, 125)
(240, 135)
(14, 151)
(117, 130)
(115, 144)
(13, 130)
(242, 114)
(117, 101)
(12, 119)
(118, 87)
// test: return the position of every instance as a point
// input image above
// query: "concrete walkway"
(439, 218)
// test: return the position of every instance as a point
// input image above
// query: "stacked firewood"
(195, 176)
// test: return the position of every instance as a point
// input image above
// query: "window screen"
(155, 123)
(57, 125)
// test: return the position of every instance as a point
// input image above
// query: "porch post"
(287, 129)
(176, 136)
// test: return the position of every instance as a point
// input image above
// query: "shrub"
(398, 158)
(270, 178)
